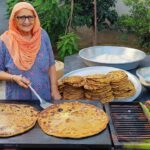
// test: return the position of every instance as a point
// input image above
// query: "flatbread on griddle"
(16, 119)
(73, 120)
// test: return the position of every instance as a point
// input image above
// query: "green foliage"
(52, 13)
(67, 45)
(10, 4)
(58, 15)
(84, 14)
(53, 17)
(138, 21)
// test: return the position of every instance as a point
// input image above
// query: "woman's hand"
(22, 81)
(56, 95)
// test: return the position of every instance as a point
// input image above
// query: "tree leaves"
(53, 16)
(138, 21)
(83, 13)
(67, 45)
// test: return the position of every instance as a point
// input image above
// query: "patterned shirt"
(38, 74)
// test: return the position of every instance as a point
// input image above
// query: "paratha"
(16, 119)
(117, 76)
(116, 84)
(73, 120)
(75, 81)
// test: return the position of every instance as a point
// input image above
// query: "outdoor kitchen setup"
(128, 125)
(75, 75)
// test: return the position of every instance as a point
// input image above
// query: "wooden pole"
(95, 23)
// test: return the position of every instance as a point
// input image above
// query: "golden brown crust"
(73, 93)
(75, 81)
(16, 119)
(96, 76)
(73, 120)
(117, 76)
(102, 87)
(125, 95)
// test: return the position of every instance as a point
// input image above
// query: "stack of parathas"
(73, 120)
(61, 87)
(97, 87)
(16, 119)
(73, 87)
(122, 87)
(103, 87)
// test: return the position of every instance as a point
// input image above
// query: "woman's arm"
(4, 75)
(52, 70)
(22, 81)
(54, 85)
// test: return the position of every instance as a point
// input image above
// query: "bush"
(84, 13)
(67, 45)
(53, 15)
(58, 16)
(138, 21)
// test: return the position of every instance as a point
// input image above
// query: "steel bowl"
(119, 57)
(144, 76)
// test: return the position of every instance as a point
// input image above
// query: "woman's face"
(24, 20)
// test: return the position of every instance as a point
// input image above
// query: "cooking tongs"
(43, 102)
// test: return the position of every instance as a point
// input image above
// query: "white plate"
(104, 70)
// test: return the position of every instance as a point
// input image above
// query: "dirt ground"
(105, 38)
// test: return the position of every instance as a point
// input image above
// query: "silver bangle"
(11, 78)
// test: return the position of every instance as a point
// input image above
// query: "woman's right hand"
(22, 81)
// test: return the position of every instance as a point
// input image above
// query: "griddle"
(36, 138)
(128, 125)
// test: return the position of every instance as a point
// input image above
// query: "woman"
(26, 57)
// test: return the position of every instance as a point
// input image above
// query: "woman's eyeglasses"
(23, 18)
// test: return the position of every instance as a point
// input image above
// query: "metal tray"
(36, 138)
(104, 70)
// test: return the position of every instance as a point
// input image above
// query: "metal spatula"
(43, 103)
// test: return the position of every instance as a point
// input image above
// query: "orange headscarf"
(22, 51)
